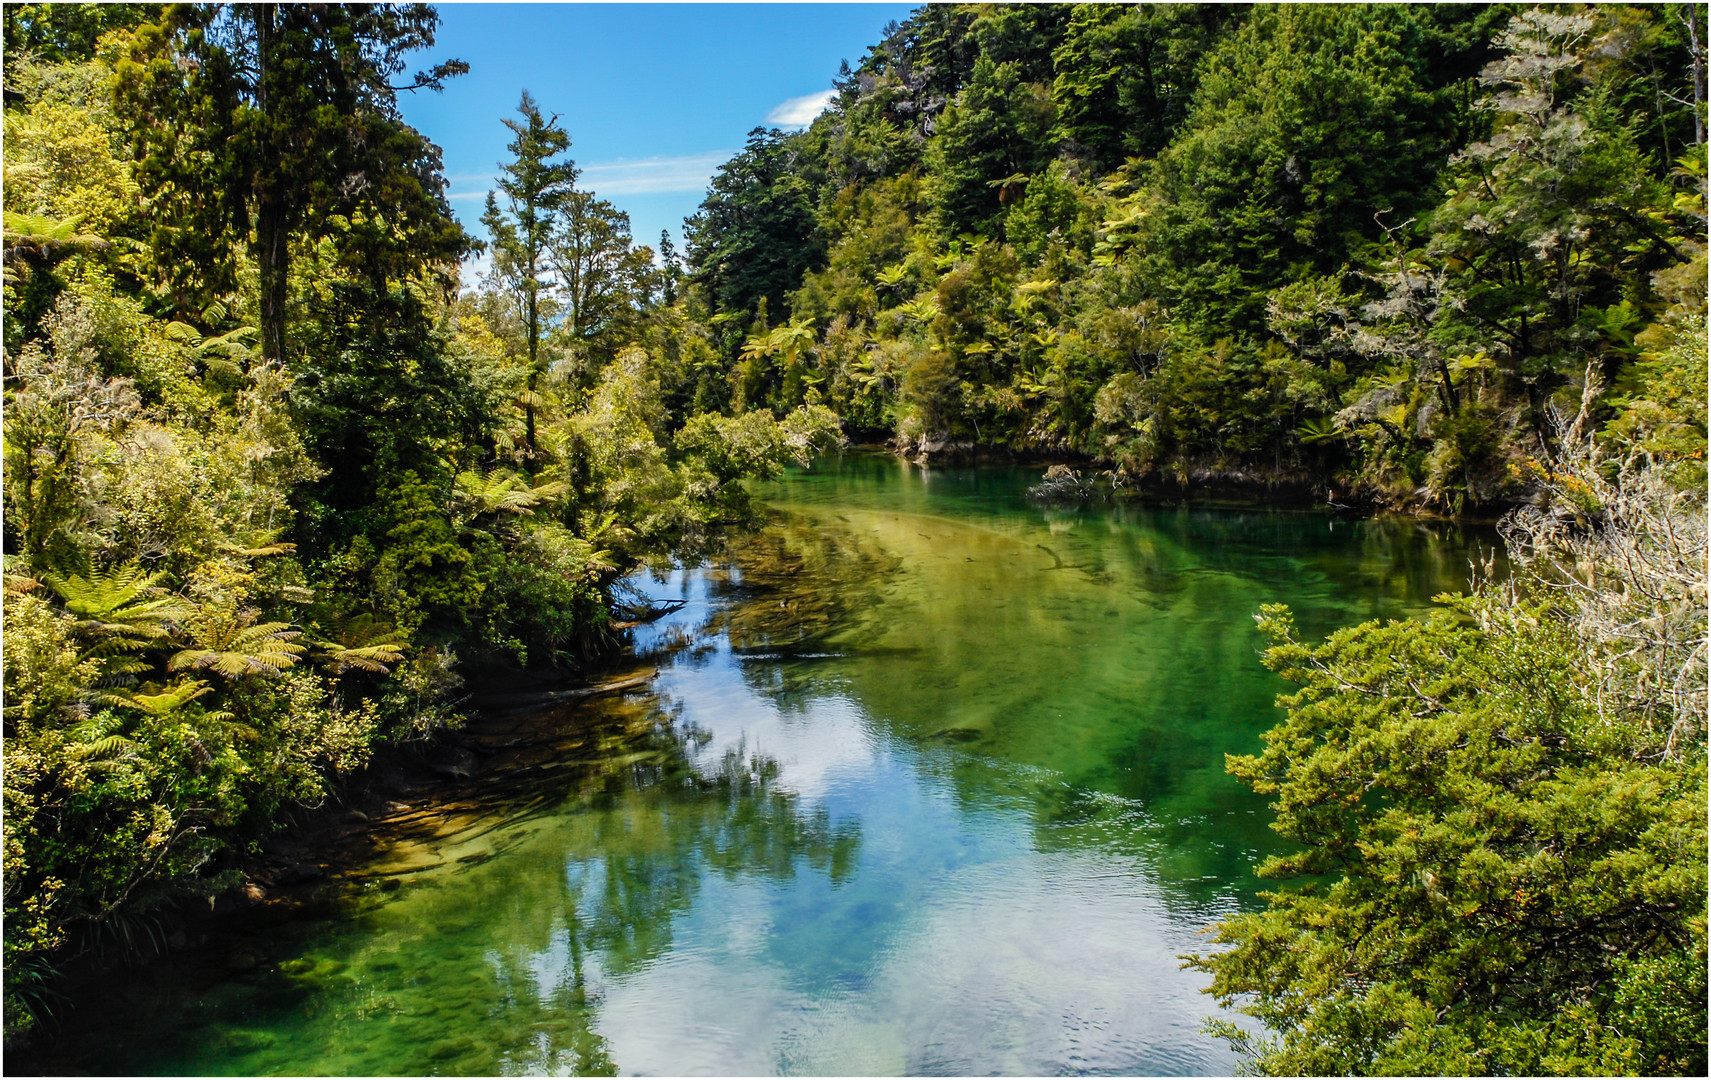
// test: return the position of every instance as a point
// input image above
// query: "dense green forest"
(276, 486)
(1366, 248)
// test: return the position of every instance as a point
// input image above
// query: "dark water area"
(931, 781)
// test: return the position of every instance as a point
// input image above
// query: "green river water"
(930, 782)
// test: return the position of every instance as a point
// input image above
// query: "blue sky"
(655, 96)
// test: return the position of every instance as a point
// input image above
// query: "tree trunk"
(272, 225)
(534, 348)
(272, 256)
(1450, 397)
(529, 427)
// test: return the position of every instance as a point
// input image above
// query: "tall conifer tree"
(536, 189)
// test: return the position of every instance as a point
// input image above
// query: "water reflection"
(930, 781)
(1107, 652)
(487, 936)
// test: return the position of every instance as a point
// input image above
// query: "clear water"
(930, 782)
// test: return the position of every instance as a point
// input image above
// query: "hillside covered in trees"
(276, 486)
(1365, 248)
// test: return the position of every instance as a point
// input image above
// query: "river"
(931, 781)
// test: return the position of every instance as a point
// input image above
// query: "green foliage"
(536, 190)
(1547, 216)
(1501, 818)
(605, 284)
(234, 566)
(285, 115)
(380, 394)
(991, 138)
(1308, 119)
(1053, 209)
(729, 448)
(1125, 75)
(61, 33)
(269, 483)
(755, 234)
(1662, 412)
(1368, 254)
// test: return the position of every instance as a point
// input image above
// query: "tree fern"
(500, 490)
(361, 642)
(41, 240)
(123, 602)
(99, 742)
(232, 644)
(892, 276)
(921, 309)
(18, 581)
(228, 353)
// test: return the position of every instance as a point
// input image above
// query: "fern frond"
(266, 550)
(257, 544)
(921, 309)
(163, 703)
(113, 746)
(501, 490)
(108, 700)
(99, 739)
(45, 238)
(114, 638)
(41, 226)
(233, 343)
(221, 365)
(182, 332)
(92, 595)
(547, 490)
(364, 643)
(121, 670)
(234, 645)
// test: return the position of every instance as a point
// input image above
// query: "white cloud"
(801, 111)
(688, 173)
(646, 176)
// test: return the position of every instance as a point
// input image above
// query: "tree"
(1504, 809)
(602, 280)
(990, 140)
(385, 395)
(671, 272)
(1125, 75)
(1306, 120)
(61, 32)
(536, 191)
(1555, 216)
(255, 123)
(755, 234)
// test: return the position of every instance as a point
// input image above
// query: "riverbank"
(893, 738)
(331, 861)
(1192, 483)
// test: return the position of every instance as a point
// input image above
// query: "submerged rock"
(300, 874)
(454, 762)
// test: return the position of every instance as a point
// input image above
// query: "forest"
(278, 488)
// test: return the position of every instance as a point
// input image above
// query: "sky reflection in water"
(935, 786)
